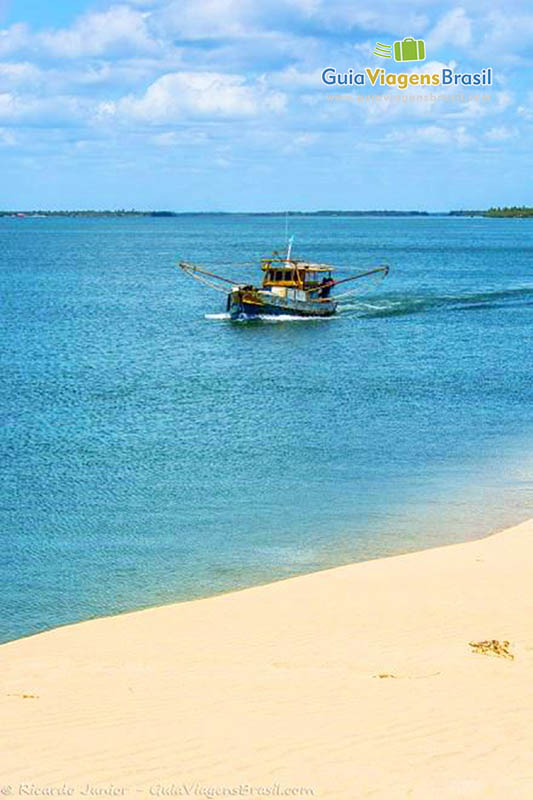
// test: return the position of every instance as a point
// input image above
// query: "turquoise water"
(151, 454)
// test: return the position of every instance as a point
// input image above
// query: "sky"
(218, 105)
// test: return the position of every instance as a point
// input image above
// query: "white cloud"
(305, 139)
(454, 29)
(293, 78)
(508, 37)
(437, 135)
(232, 19)
(299, 143)
(380, 16)
(7, 138)
(495, 103)
(120, 28)
(16, 73)
(235, 19)
(500, 133)
(167, 139)
(184, 137)
(13, 39)
(9, 107)
(179, 95)
(27, 108)
(526, 110)
(199, 19)
(85, 76)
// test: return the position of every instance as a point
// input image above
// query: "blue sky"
(218, 105)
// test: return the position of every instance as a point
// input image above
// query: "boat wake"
(393, 305)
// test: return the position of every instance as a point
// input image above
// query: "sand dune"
(355, 682)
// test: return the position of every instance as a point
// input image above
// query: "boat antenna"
(289, 248)
(289, 241)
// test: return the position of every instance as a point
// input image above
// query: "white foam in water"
(285, 318)
(266, 318)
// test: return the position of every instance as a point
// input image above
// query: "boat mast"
(289, 241)
(289, 248)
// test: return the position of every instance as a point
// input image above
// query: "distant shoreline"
(512, 211)
(492, 212)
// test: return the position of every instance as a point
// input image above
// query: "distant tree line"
(464, 212)
(121, 212)
(506, 211)
(340, 213)
(510, 211)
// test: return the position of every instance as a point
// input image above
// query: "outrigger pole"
(385, 269)
(201, 275)
(196, 272)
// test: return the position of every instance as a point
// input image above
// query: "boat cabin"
(293, 274)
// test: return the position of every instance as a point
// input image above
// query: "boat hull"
(245, 305)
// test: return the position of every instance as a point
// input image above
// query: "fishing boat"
(290, 287)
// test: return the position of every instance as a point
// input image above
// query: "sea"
(154, 451)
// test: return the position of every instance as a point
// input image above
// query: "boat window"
(279, 276)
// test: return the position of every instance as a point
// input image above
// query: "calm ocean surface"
(151, 453)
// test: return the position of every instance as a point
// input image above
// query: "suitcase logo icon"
(410, 49)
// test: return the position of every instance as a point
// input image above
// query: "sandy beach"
(350, 683)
